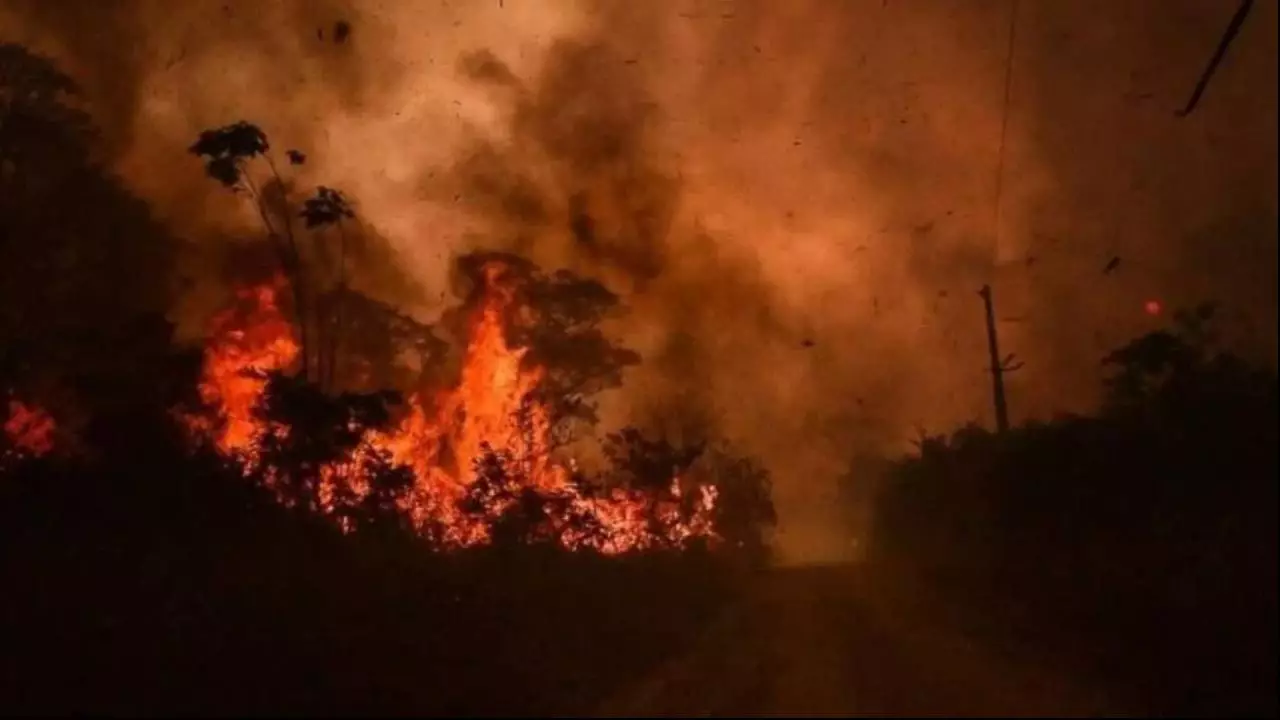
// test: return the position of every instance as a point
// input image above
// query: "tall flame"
(250, 337)
(492, 408)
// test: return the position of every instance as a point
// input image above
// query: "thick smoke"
(797, 199)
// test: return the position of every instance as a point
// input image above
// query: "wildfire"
(490, 414)
(251, 337)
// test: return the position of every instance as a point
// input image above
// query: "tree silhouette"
(1169, 372)
(556, 317)
(646, 464)
(182, 554)
(1106, 530)
(378, 339)
(500, 494)
(380, 505)
(43, 132)
(228, 153)
(313, 446)
(227, 149)
(521, 514)
(744, 510)
(328, 208)
(70, 236)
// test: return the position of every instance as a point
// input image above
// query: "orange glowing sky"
(828, 175)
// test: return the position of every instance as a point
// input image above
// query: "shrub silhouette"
(1139, 541)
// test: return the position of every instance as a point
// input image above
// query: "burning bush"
(467, 463)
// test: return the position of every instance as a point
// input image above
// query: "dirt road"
(826, 642)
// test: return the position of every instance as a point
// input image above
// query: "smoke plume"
(797, 200)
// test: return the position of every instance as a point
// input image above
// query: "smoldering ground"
(797, 200)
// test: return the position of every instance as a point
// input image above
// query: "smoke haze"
(798, 200)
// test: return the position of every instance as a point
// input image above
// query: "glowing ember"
(29, 429)
(1152, 307)
(487, 429)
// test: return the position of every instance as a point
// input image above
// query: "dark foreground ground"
(829, 641)
(840, 641)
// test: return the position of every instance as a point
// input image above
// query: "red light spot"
(1152, 307)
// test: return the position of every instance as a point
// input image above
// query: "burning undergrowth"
(479, 447)
(479, 458)
(480, 429)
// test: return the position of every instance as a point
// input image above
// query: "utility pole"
(999, 366)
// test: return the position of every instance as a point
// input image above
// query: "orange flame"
(492, 407)
(251, 336)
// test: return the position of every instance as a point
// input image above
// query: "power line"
(1004, 126)
(1233, 29)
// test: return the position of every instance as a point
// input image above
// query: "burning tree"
(477, 450)
(315, 451)
(554, 321)
(472, 459)
(316, 276)
(743, 512)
